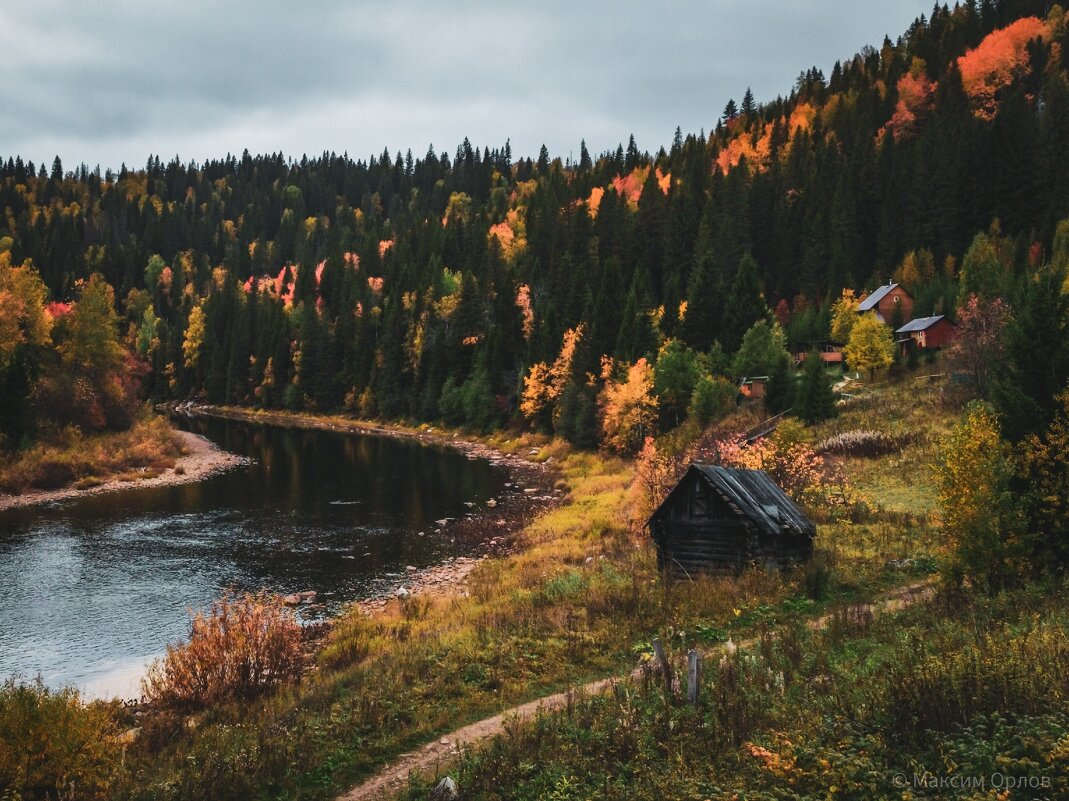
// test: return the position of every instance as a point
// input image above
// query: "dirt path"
(430, 758)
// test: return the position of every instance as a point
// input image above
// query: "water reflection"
(95, 587)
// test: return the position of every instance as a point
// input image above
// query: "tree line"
(480, 288)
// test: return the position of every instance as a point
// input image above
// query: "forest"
(599, 298)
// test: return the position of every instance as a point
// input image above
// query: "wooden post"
(694, 677)
(666, 669)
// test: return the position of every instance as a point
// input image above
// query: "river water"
(94, 588)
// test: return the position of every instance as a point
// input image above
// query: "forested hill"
(428, 286)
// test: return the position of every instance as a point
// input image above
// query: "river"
(95, 587)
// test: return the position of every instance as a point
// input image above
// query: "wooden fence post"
(694, 677)
(666, 669)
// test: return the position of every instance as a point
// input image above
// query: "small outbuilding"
(831, 353)
(720, 519)
(753, 386)
(927, 333)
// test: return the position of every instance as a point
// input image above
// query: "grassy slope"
(868, 709)
(578, 601)
(962, 687)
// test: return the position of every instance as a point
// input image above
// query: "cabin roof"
(755, 494)
(920, 324)
(869, 303)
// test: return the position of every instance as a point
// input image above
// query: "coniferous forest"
(482, 284)
(617, 473)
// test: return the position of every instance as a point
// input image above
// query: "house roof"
(869, 303)
(755, 495)
(920, 324)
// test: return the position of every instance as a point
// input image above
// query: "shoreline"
(486, 530)
(489, 530)
(202, 459)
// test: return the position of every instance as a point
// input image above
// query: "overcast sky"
(111, 81)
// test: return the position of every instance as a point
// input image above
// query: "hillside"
(603, 324)
(427, 286)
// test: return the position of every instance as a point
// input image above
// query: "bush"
(53, 474)
(243, 646)
(713, 399)
(54, 746)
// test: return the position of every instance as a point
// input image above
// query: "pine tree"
(815, 399)
(748, 108)
(744, 305)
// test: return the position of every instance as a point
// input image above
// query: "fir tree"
(815, 399)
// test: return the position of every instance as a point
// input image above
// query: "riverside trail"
(432, 757)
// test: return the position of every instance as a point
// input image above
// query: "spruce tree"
(744, 304)
(815, 399)
(748, 107)
(779, 389)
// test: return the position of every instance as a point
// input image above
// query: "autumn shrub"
(241, 647)
(55, 746)
(790, 462)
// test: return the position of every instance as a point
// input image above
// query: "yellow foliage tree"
(23, 317)
(543, 384)
(628, 407)
(91, 345)
(843, 316)
(982, 527)
(194, 339)
(870, 346)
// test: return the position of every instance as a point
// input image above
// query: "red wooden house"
(927, 333)
(887, 302)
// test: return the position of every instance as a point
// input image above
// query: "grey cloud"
(113, 81)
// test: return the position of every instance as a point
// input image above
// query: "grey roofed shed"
(720, 519)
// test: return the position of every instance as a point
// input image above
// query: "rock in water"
(445, 790)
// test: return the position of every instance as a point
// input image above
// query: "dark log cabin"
(719, 519)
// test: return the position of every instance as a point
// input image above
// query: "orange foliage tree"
(997, 61)
(915, 97)
(543, 384)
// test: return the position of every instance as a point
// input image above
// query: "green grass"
(579, 599)
(839, 713)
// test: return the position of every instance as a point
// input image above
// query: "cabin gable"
(720, 520)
